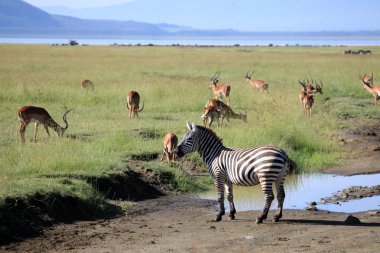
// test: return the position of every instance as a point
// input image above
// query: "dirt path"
(181, 223)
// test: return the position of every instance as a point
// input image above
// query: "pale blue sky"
(244, 15)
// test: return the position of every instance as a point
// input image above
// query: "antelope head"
(367, 79)
(249, 77)
(214, 80)
(318, 87)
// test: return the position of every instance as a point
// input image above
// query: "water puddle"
(304, 188)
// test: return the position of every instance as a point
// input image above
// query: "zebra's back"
(251, 166)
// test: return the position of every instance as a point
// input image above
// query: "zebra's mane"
(202, 128)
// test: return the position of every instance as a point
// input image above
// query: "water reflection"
(304, 188)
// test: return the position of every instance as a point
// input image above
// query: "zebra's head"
(189, 142)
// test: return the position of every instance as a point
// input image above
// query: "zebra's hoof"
(258, 221)
(217, 219)
(232, 217)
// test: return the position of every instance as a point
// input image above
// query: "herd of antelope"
(215, 109)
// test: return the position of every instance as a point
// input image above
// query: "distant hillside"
(17, 15)
(18, 18)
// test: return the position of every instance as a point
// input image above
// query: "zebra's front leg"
(268, 193)
(230, 198)
(220, 190)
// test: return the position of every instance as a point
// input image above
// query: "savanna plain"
(59, 194)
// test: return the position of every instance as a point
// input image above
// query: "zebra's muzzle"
(180, 153)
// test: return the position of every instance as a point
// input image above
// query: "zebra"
(247, 167)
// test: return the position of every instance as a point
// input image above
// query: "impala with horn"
(258, 84)
(170, 146)
(368, 85)
(133, 104)
(308, 87)
(221, 90)
(28, 114)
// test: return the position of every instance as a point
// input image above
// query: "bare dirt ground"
(181, 223)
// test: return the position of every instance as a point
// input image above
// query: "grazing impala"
(258, 84)
(225, 110)
(27, 114)
(368, 85)
(308, 88)
(211, 113)
(221, 90)
(133, 101)
(87, 85)
(170, 146)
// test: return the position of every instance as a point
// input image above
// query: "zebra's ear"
(188, 125)
(193, 126)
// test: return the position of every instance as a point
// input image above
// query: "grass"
(172, 81)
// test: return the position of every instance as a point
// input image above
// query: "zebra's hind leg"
(230, 198)
(268, 192)
(280, 196)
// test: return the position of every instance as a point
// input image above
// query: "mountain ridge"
(20, 18)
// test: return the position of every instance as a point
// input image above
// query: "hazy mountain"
(18, 18)
(18, 14)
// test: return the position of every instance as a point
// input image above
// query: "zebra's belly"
(246, 179)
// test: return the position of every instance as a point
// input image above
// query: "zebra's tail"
(292, 166)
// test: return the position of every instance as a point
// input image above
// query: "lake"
(302, 189)
(344, 41)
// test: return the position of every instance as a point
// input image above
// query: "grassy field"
(172, 82)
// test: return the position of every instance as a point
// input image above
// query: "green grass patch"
(171, 174)
(172, 82)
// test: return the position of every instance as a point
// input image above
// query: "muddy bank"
(182, 223)
(24, 217)
(351, 193)
(363, 145)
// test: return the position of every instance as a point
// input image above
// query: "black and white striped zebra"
(263, 165)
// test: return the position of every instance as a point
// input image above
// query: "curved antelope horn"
(253, 71)
(215, 76)
(321, 83)
(141, 107)
(372, 77)
(302, 83)
(65, 118)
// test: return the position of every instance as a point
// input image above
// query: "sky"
(243, 15)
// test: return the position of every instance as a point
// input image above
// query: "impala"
(308, 101)
(87, 85)
(28, 114)
(368, 85)
(170, 146)
(211, 113)
(225, 110)
(308, 88)
(258, 84)
(133, 101)
(221, 90)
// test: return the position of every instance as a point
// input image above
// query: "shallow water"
(305, 188)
